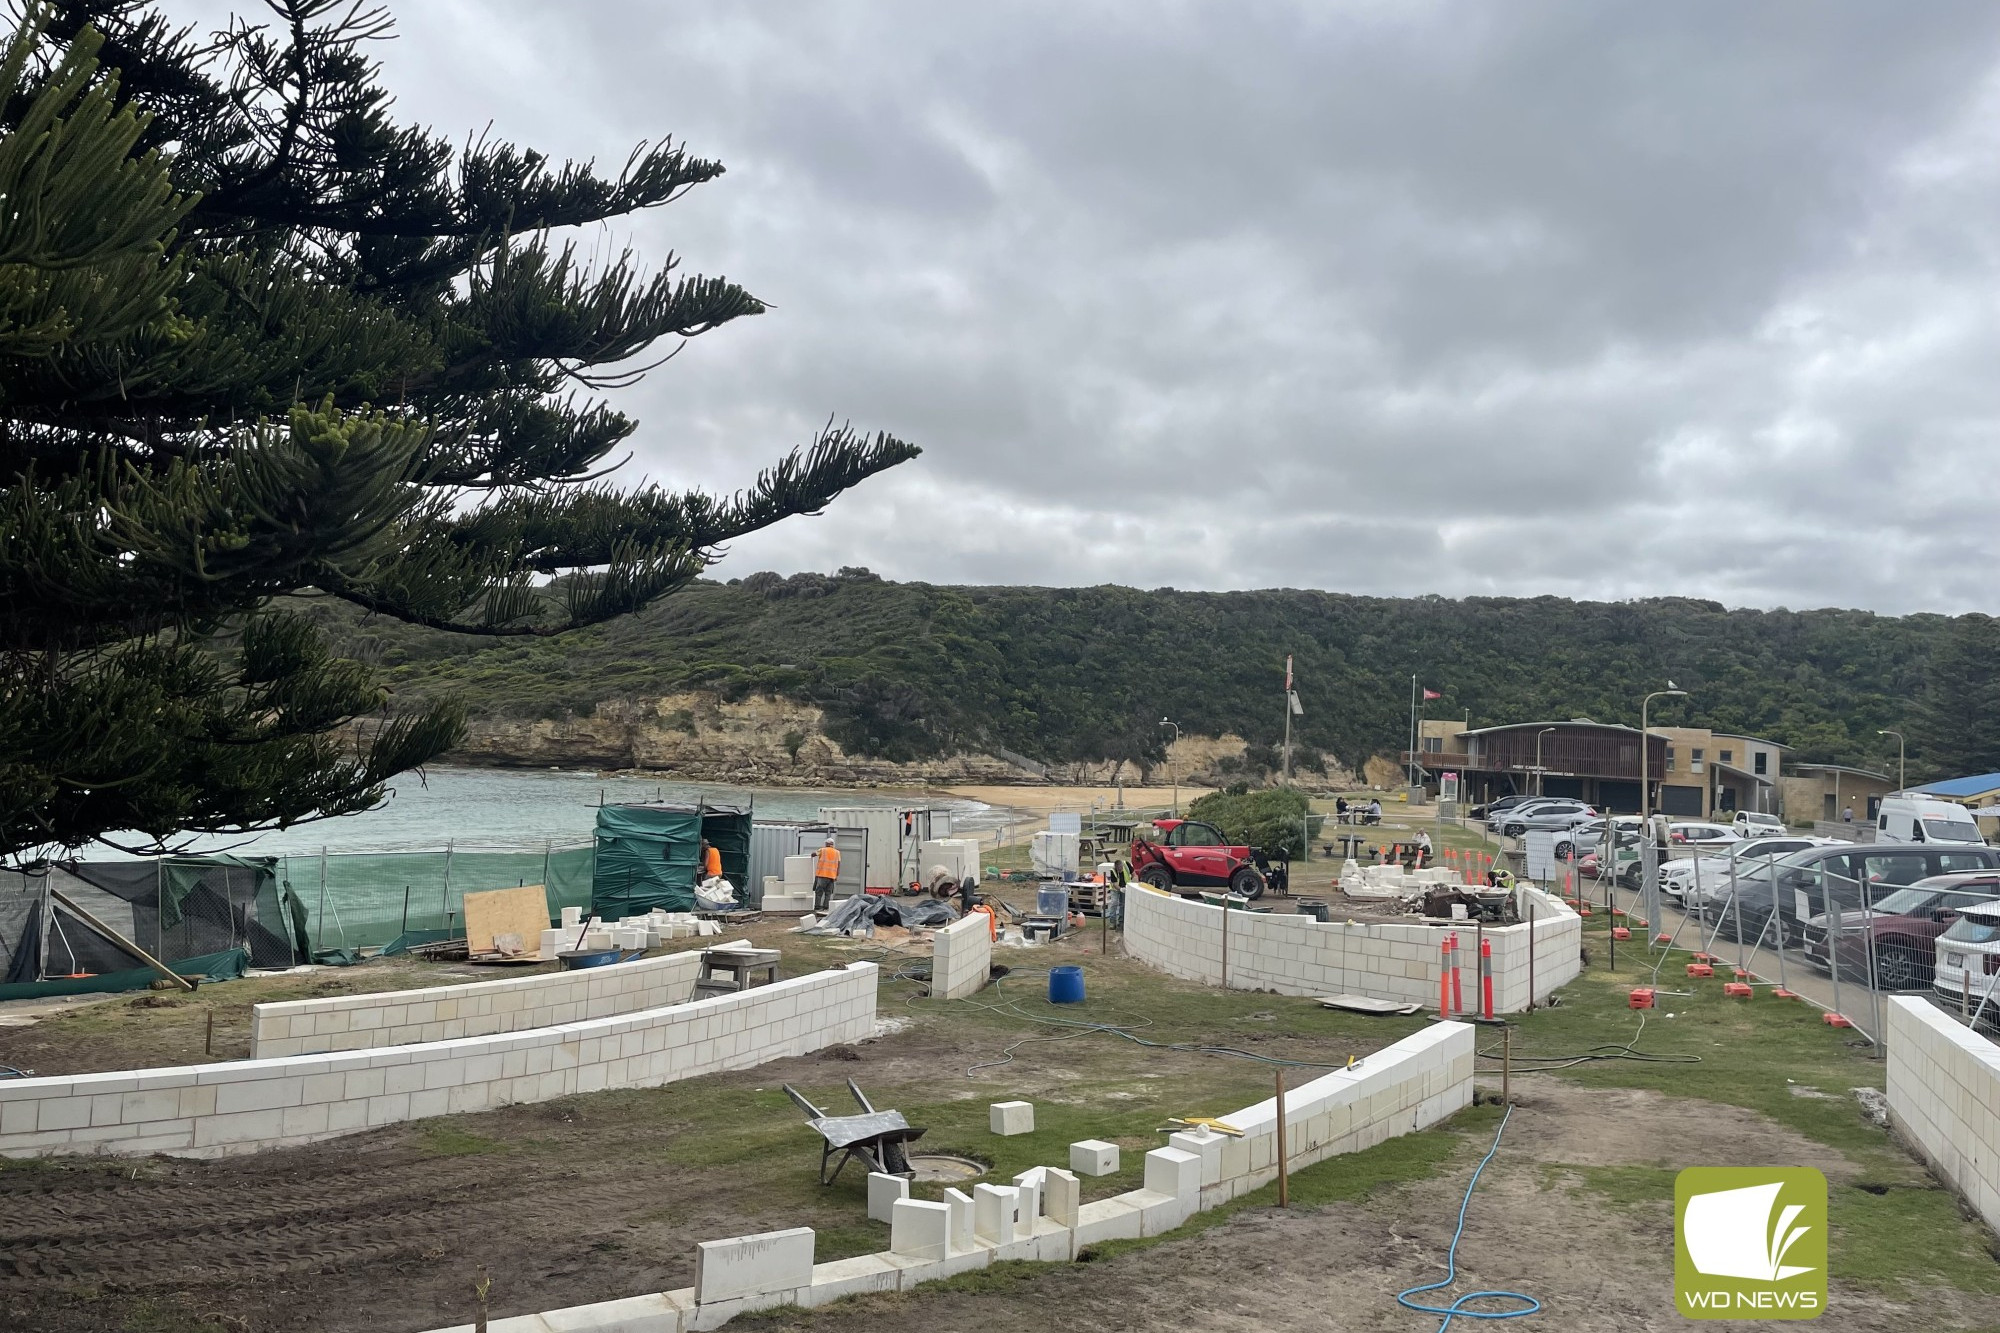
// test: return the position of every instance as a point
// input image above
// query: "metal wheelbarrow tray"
(880, 1139)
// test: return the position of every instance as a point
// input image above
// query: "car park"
(1895, 939)
(1714, 872)
(1966, 979)
(1819, 879)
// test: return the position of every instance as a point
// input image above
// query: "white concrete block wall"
(224, 1109)
(1405, 1087)
(476, 1009)
(1944, 1097)
(962, 957)
(1296, 955)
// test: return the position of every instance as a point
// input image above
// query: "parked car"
(1967, 973)
(1896, 940)
(1924, 819)
(1702, 835)
(1678, 878)
(1499, 804)
(1821, 879)
(1588, 836)
(1498, 817)
(1751, 824)
(1559, 815)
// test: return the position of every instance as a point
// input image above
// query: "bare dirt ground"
(1597, 1266)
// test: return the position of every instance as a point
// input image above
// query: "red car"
(1195, 855)
(1905, 923)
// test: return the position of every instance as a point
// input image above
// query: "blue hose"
(1457, 1309)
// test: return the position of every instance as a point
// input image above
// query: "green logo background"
(1739, 1231)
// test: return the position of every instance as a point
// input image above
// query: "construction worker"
(826, 869)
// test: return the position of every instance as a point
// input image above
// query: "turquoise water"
(482, 808)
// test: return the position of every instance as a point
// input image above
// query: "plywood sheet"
(523, 911)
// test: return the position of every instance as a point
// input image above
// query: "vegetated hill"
(910, 670)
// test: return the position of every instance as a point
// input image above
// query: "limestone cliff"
(772, 742)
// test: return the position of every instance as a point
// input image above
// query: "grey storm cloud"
(1600, 300)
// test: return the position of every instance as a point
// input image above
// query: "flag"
(1431, 694)
(1288, 673)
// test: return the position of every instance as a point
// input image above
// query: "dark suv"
(1807, 882)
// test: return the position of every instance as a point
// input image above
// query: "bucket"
(1065, 985)
(1052, 902)
(571, 960)
(1315, 908)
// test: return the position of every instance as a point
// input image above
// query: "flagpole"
(1288, 720)
(1409, 757)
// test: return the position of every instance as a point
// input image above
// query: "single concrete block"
(1205, 1144)
(1093, 1157)
(1011, 1118)
(1173, 1172)
(883, 1191)
(996, 1213)
(1061, 1195)
(1029, 1182)
(634, 1314)
(1106, 1219)
(919, 1229)
(961, 1206)
(753, 1265)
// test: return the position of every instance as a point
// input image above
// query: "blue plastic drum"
(1065, 985)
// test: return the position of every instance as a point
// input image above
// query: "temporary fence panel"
(365, 900)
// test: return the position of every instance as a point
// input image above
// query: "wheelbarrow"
(880, 1139)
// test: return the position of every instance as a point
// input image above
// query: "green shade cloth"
(224, 966)
(647, 855)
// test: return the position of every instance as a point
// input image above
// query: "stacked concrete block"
(1010, 1118)
(244, 1106)
(1405, 1087)
(1093, 1157)
(1944, 1098)
(884, 1191)
(962, 957)
(1296, 955)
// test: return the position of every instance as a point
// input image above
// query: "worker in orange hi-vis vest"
(826, 869)
(710, 858)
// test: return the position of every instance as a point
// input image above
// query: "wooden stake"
(208, 1037)
(1284, 1183)
(114, 936)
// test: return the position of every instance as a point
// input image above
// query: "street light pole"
(1175, 773)
(1538, 758)
(1891, 731)
(1645, 730)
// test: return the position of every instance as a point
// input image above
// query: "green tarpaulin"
(647, 855)
(224, 966)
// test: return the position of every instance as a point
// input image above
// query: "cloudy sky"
(1592, 299)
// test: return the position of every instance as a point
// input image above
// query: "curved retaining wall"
(223, 1109)
(1295, 955)
(1411, 1085)
(475, 1009)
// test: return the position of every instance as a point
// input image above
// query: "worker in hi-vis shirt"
(826, 869)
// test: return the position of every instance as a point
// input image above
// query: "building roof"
(1976, 785)
(1759, 740)
(1563, 722)
(1840, 768)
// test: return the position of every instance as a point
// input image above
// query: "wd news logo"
(1750, 1242)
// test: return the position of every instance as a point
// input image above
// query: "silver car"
(1555, 814)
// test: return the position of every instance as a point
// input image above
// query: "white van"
(1922, 819)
